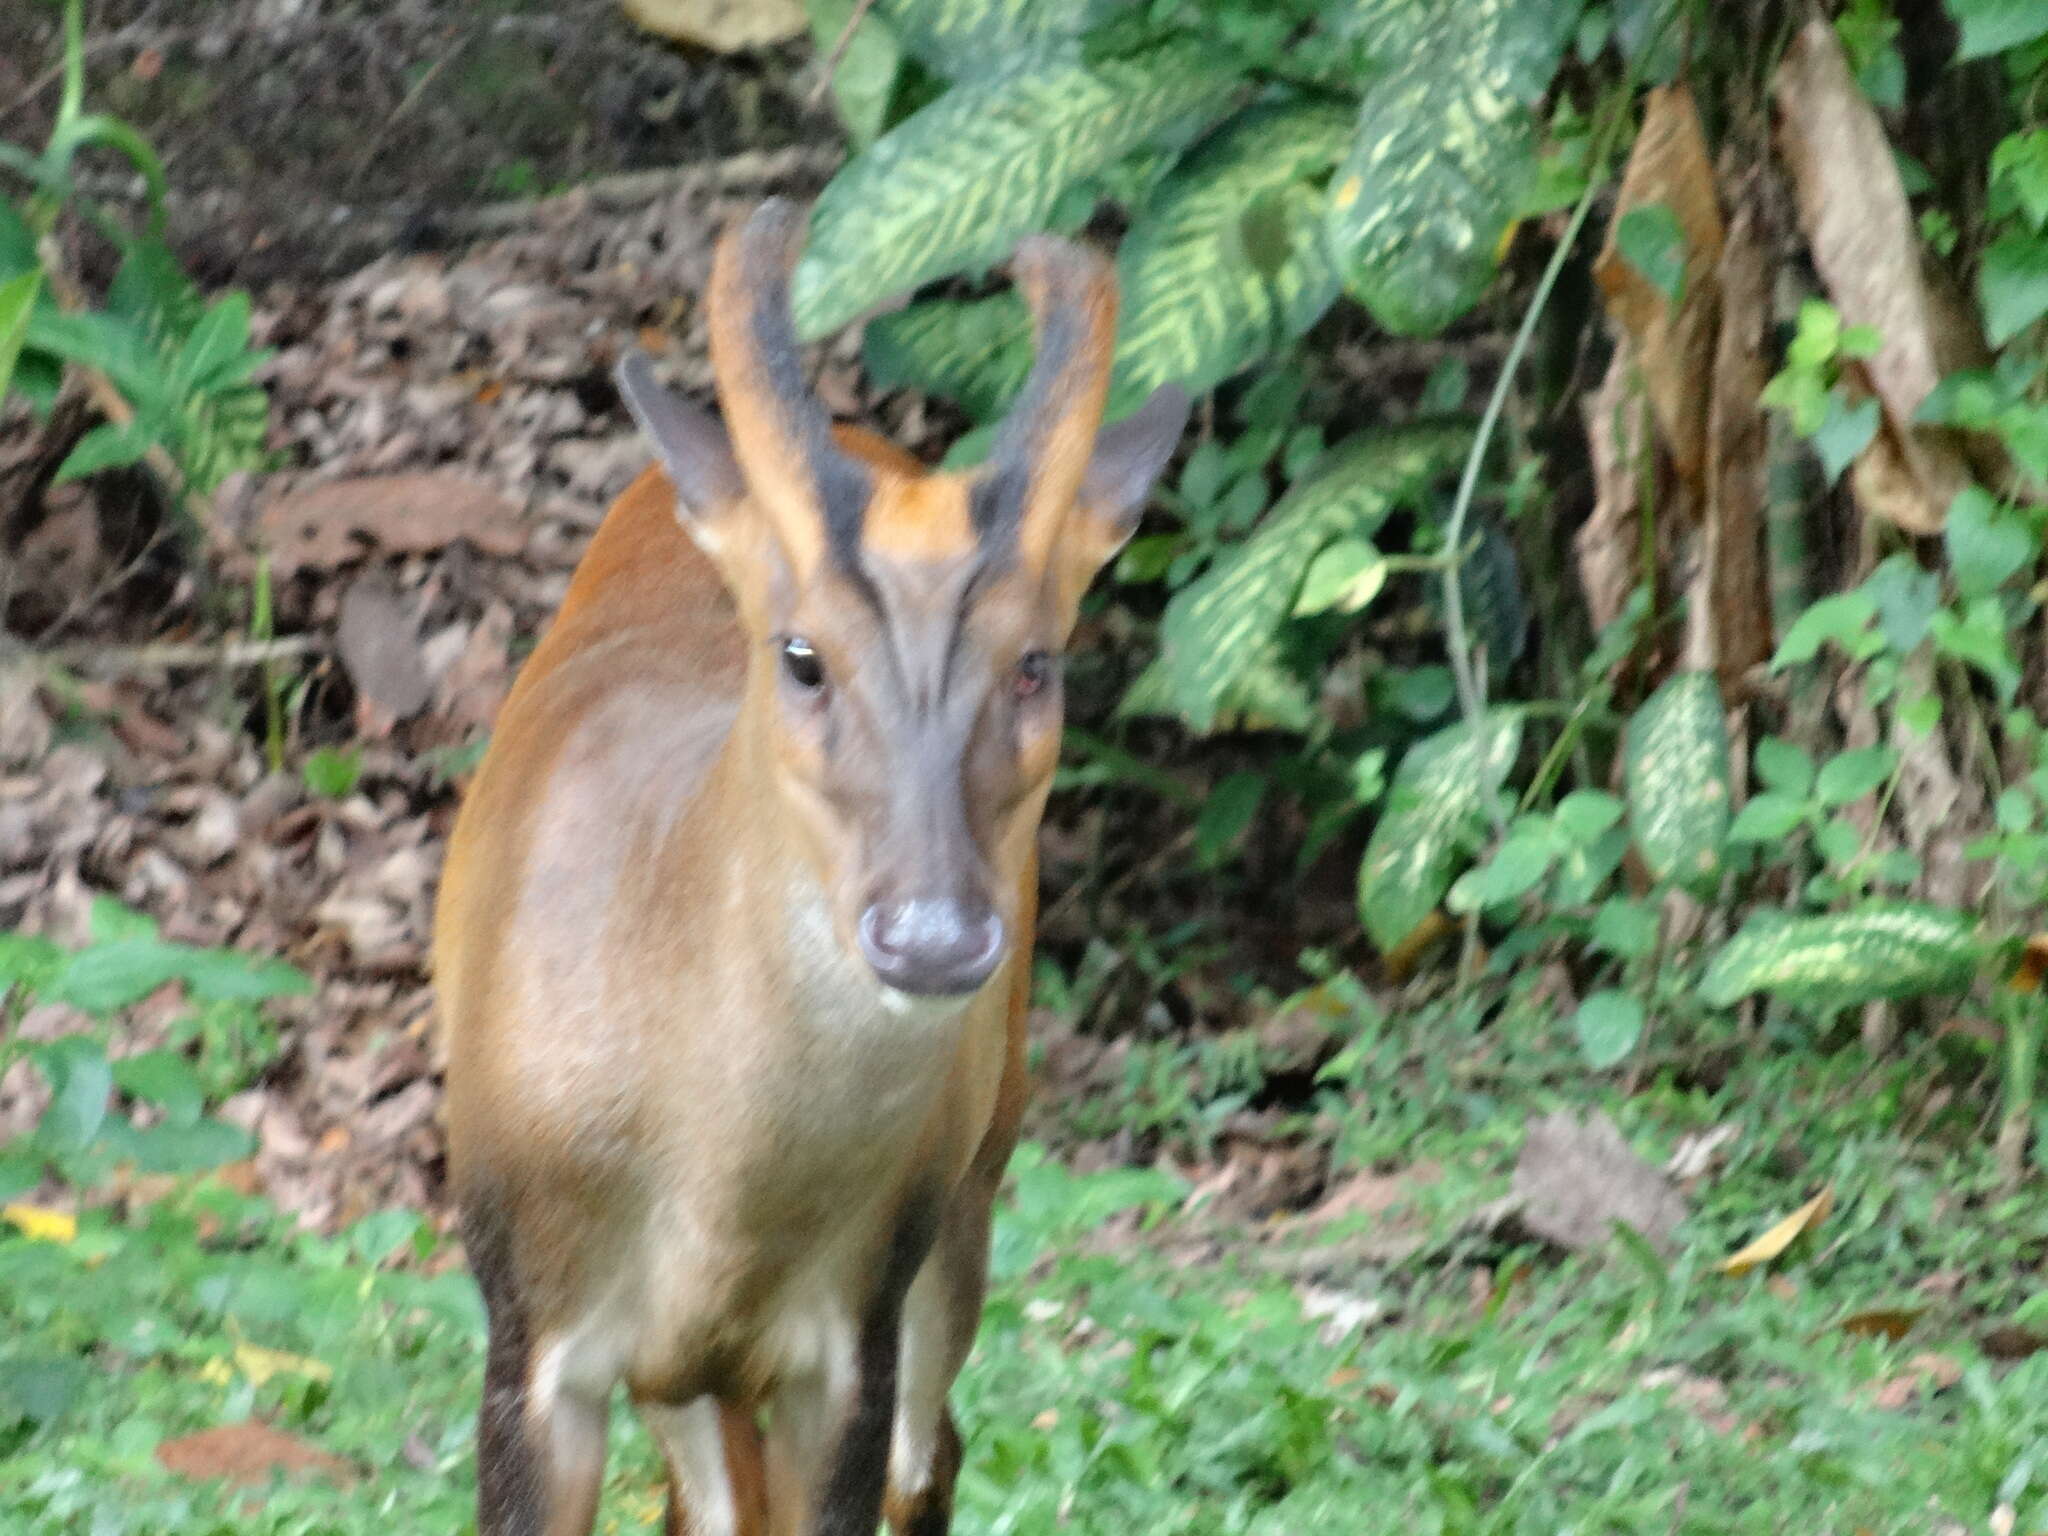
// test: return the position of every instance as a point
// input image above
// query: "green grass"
(1150, 1382)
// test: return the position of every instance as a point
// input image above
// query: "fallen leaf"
(248, 1455)
(1882, 1322)
(1373, 1194)
(40, 1224)
(1575, 1180)
(2012, 1342)
(1865, 244)
(1924, 1373)
(1695, 1153)
(1779, 1237)
(331, 524)
(723, 26)
(2033, 964)
(377, 637)
(1668, 169)
(260, 1364)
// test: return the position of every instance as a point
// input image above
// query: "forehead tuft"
(919, 520)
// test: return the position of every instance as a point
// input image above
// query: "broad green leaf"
(1516, 868)
(1980, 636)
(1345, 576)
(1204, 292)
(1226, 813)
(1992, 26)
(1783, 765)
(1608, 1025)
(1768, 817)
(80, 1081)
(1653, 242)
(1988, 542)
(2013, 283)
(165, 1079)
(1584, 814)
(226, 975)
(961, 38)
(1443, 151)
(1907, 596)
(1677, 773)
(1433, 811)
(110, 976)
(1263, 694)
(865, 76)
(190, 1148)
(1842, 618)
(1839, 961)
(1217, 625)
(954, 186)
(17, 300)
(1845, 431)
(975, 352)
(1625, 927)
(1849, 776)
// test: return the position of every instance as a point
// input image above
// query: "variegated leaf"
(1677, 769)
(1199, 300)
(973, 351)
(1434, 811)
(1900, 949)
(954, 186)
(958, 38)
(1217, 624)
(1444, 147)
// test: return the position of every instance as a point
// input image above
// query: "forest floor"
(1270, 1263)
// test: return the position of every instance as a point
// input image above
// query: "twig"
(170, 655)
(1471, 695)
(838, 51)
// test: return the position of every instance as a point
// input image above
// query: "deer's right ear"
(692, 446)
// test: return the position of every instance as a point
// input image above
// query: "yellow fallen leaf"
(42, 1225)
(260, 1364)
(1779, 1237)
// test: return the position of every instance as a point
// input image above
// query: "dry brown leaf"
(247, 1455)
(1607, 544)
(2012, 1342)
(1575, 1180)
(1853, 209)
(1778, 1238)
(1924, 1373)
(1669, 165)
(378, 639)
(334, 523)
(1730, 620)
(1373, 1194)
(1882, 1322)
(723, 26)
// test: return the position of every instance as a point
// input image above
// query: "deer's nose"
(932, 946)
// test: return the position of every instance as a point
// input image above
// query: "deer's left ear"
(1128, 457)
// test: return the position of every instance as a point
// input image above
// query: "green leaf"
(1906, 598)
(1992, 26)
(960, 38)
(217, 353)
(191, 1148)
(107, 446)
(1345, 576)
(80, 1081)
(1653, 241)
(955, 185)
(1988, 543)
(1516, 868)
(1625, 927)
(2013, 284)
(1839, 961)
(165, 1079)
(1840, 618)
(228, 975)
(1844, 432)
(1217, 626)
(1608, 1025)
(1434, 809)
(1677, 777)
(975, 352)
(1784, 766)
(1226, 814)
(1769, 817)
(1584, 814)
(1849, 776)
(865, 78)
(1978, 636)
(333, 771)
(17, 299)
(111, 975)
(1443, 151)
(1198, 302)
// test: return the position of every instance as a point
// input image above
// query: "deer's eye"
(1034, 671)
(802, 664)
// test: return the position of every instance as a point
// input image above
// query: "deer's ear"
(1128, 457)
(692, 446)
